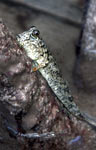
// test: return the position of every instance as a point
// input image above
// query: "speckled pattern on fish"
(37, 50)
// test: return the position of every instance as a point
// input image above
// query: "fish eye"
(35, 32)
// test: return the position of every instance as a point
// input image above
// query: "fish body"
(37, 50)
